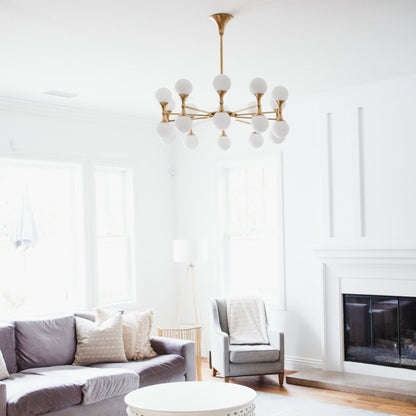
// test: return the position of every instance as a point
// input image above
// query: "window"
(49, 276)
(114, 235)
(252, 231)
(63, 268)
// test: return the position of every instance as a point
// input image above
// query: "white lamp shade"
(190, 251)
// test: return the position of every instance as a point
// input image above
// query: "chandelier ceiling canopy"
(252, 114)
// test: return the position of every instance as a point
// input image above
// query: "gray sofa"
(39, 354)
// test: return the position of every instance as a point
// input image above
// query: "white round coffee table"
(191, 397)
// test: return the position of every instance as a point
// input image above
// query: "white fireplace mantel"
(362, 270)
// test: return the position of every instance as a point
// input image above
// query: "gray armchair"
(242, 360)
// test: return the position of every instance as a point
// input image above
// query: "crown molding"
(365, 252)
(39, 108)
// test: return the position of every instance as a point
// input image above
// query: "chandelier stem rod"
(221, 56)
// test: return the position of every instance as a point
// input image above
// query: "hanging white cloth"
(24, 233)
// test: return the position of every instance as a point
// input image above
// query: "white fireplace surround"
(379, 271)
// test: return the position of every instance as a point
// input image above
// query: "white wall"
(352, 186)
(36, 131)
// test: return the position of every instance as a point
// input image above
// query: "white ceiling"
(116, 53)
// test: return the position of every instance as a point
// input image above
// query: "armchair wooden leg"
(281, 379)
(227, 379)
(214, 372)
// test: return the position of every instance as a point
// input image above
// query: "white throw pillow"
(99, 343)
(136, 332)
(3, 368)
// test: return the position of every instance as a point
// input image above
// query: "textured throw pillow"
(136, 332)
(99, 343)
(3, 369)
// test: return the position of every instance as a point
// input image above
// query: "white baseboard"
(300, 363)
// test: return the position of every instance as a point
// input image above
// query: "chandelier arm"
(245, 108)
(199, 117)
(242, 121)
(197, 109)
(243, 114)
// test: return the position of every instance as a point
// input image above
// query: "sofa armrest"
(186, 349)
(277, 340)
(3, 399)
(220, 352)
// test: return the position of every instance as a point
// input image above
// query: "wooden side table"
(189, 333)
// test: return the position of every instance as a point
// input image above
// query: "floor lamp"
(190, 252)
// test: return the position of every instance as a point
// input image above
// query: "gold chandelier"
(252, 114)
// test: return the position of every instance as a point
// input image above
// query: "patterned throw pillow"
(136, 332)
(3, 369)
(99, 343)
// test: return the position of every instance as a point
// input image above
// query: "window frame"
(223, 231)
(129, 237)
(88, 263)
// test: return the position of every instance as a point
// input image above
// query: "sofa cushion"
(96, 383)
(8, 346)
(241, 354)
(48, 342)
(159, 369)
(29, 395)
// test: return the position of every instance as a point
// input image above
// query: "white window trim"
(130, 207)
(223, 247)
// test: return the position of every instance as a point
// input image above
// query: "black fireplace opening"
(380, 330)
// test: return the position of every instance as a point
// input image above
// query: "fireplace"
(380, 330)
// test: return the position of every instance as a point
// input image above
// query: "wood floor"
(270, 384)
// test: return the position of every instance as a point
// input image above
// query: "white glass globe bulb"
(183, 124)
(280, 93)
(163, 95)
(259, 123)
(221, 82)
(256, 140)
(277, 140)
(170, 106)
(183, 86)
(221, 120)
(191, 141)
(224, 142)
(280, 129)
(164, 129)
(258, 86)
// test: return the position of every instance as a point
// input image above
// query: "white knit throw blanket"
(246, 320)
